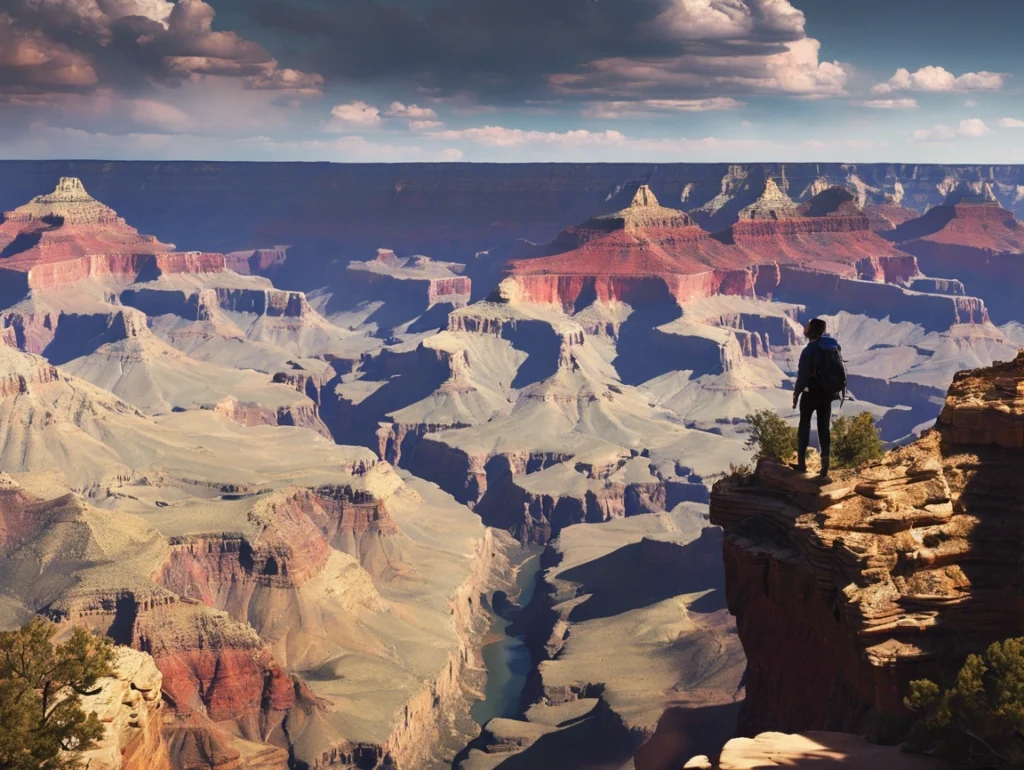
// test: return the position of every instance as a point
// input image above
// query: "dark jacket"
(805, 377)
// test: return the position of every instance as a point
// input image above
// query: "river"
(507, 658)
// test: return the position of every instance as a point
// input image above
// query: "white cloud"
(498, 136)
(937, 79)
(44, 141)
(691, 20)
(794, 70)
(971, 128)
(159, 115)
(891, 104)
(355, 114)
(621, 109)
(725, 47)
(410, 112)
(584, 144)
(1011, 123)
(971, 103)
(293, 81)
(424, 125)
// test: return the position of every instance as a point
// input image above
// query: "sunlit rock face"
(970, 236)
(130, 706)
(847, 592)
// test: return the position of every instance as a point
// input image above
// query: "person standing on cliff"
(820, 380)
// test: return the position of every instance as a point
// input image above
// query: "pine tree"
(44, 725)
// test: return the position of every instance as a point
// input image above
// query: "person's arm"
(803, 374)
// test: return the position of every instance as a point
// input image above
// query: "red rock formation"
(256, 261)
(844, 593)
(885, 217)
(828, 232)
(67, 236)
(631, 255)
(217, 668)
(976, 241)
(647, 252)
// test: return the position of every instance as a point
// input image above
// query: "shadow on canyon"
(647, 572)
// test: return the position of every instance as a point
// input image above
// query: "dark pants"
(809, 404)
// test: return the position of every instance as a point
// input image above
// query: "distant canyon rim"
(290, 431)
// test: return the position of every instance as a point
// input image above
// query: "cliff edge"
(845, 593)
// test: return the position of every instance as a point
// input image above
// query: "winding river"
(507, 658)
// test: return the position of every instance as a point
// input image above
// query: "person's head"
(814, 329)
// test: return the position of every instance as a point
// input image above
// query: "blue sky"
(531, 80)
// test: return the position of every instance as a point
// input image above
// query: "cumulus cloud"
(623, 109)
(794, 70)
(891, 104)
(971, 128)
(424, 125)
(730, 19)
(936, 79)
(410, 112)
(30, 61)
(274, 79)
(612, 50)
(55, 45)
(355, 114)
(1011, 123)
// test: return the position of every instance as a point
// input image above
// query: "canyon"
(299, 484)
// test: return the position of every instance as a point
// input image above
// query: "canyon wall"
(437, 209)
(846, 592)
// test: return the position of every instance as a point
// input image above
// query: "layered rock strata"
(846, 592)
(973, 239)
(129, 704)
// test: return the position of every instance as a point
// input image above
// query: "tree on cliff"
(43, 724)
(770, 437)
(979, 722)
(855, 441)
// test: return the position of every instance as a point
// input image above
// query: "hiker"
(820, 380)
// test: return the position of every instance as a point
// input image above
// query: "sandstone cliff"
(810, 751)
(845, 593)
(130, 706)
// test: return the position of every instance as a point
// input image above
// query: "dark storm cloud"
(510, 50)
(60, 45)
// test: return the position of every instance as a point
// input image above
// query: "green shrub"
(979, 722)
(855, 441)
(771, 437)
(44, 725)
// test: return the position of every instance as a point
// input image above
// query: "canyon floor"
(304, 490)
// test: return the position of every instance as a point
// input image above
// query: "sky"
(901, 81)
